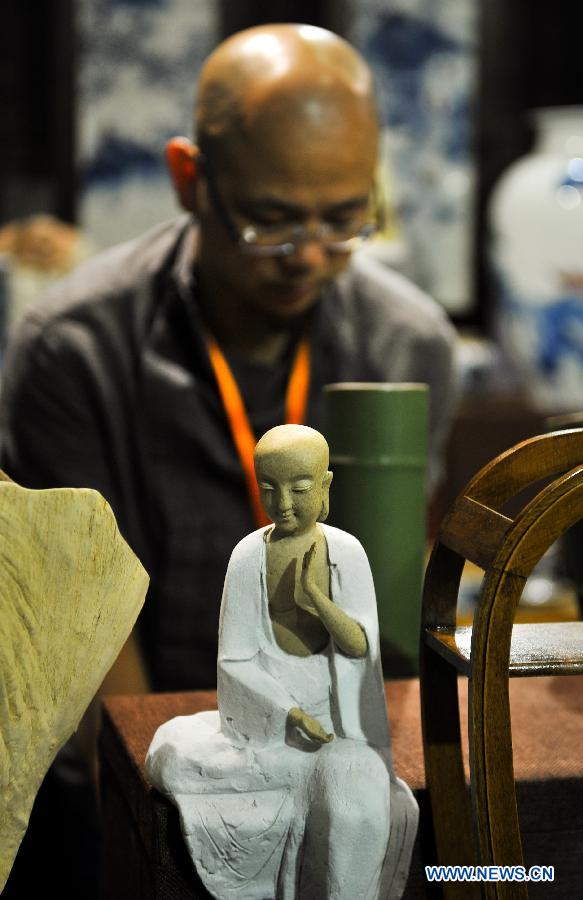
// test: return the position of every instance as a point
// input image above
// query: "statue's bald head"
(267, 77)
(294, 441)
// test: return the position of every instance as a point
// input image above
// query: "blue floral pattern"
(139, 63)
(423, 58)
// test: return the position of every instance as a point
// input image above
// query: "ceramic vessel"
(536, 216)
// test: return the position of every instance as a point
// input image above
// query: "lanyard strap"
(296, 400)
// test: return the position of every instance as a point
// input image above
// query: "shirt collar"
(182, 271)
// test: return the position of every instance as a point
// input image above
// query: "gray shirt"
(108, 385)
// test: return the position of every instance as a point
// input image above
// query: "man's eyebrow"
(276, 204)
(350, 203)
(268, 203)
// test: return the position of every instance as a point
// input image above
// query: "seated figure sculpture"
(288, 791)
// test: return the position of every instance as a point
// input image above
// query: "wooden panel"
(528, 463)
(450, 644)
(474, 531)
(548, 648)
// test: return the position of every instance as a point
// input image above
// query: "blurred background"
(480, 197)
(93, 88)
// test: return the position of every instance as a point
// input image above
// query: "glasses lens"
(283, 239)
(350, 244)
(267, 235)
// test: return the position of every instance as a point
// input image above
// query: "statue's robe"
(265, 812)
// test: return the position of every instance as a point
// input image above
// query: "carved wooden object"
(70, 591)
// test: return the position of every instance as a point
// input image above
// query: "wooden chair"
(479, 529)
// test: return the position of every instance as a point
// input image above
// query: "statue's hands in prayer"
(308, 582)
(347, 633)
(312, 729)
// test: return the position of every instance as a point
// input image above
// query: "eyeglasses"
(282, 239)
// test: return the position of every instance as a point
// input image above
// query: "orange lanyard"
(296, 401)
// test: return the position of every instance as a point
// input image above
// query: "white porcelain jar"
(536, 216)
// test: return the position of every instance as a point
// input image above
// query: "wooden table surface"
(556, 702)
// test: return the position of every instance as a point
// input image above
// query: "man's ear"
(182, 160)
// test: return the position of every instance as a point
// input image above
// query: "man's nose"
(308, 255)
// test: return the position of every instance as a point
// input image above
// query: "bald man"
(123, 379)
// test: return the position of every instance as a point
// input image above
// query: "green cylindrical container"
(378, 452)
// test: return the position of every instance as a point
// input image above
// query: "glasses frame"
(247, 237)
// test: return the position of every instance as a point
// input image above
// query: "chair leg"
(444, 770)
(492, 783)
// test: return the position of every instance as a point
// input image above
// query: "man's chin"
(286, 306)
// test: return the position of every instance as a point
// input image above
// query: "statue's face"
(293, 486)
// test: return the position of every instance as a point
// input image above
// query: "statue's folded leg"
(347, 823)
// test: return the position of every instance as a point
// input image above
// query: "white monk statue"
(288, 791)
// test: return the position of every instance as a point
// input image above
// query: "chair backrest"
(476, 527)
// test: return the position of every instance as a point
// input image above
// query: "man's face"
(279, 176)
(293, 486)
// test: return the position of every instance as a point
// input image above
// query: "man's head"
(291, 465)
(287, 137)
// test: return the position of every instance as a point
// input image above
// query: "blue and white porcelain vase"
(536, 216)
